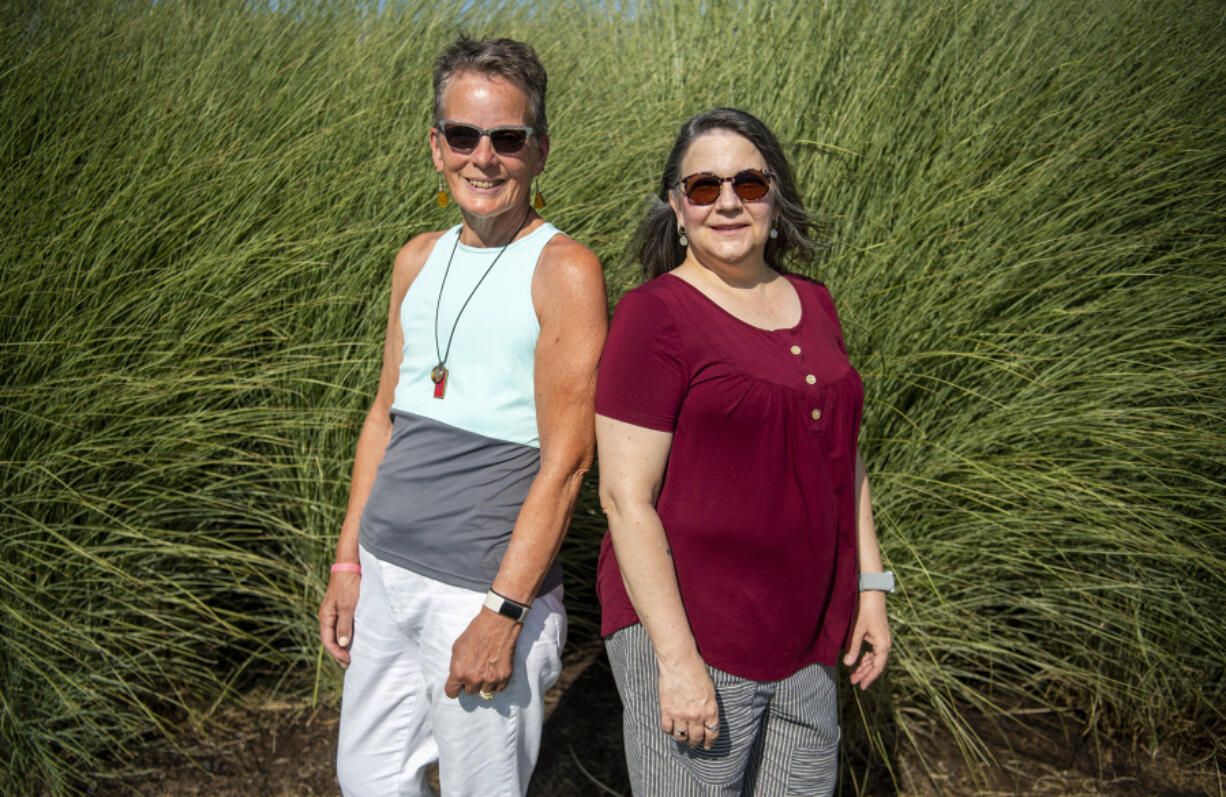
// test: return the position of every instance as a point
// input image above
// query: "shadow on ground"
(267, 747)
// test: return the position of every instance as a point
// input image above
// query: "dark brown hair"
(656, 243)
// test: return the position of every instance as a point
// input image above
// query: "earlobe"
(435, 155)
(676, 206)
(543, 150)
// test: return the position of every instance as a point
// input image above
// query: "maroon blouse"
(758, 499)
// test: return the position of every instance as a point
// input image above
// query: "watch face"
(877, 581)
(509, 609)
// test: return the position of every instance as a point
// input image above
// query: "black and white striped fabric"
(776, 738)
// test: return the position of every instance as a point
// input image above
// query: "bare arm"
(568, 292)
(632, 462)
(336, 610)
(871, 624)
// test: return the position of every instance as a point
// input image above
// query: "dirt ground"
(280, 749)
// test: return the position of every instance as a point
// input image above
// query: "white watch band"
(506, 607)
(879, 581)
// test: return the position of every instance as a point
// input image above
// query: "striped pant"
(775, 737)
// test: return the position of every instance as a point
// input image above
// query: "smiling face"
(730, 231)
(482, 182)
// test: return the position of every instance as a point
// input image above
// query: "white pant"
(395, 718)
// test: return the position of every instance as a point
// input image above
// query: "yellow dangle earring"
(441, 198)
(538, 201)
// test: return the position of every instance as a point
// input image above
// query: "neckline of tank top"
(492, 250)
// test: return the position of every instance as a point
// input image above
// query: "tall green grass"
(1024, 218)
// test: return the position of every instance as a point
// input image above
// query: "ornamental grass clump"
(1022, 225)
(192, 273)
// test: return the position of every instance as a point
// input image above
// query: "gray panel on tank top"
(445, 500)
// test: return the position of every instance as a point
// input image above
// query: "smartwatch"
(506, 607)
(880, 581)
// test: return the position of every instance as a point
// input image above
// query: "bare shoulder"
(567, 272)
(412, 256)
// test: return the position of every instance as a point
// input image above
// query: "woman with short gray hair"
(445, 600)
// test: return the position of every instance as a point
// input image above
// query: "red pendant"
(438, 375)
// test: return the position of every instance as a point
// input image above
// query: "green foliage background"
(1024, 229)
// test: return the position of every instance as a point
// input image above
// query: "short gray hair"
(506, 58)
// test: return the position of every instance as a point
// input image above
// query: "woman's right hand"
(336, 614)
(689, 711)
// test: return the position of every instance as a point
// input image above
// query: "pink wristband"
(347, 567)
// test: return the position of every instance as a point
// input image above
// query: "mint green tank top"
(490, 387)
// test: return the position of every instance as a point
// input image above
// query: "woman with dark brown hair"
(741, 558)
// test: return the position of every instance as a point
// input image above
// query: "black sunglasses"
(464, 138)
(703, 188)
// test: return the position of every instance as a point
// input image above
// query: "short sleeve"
(827, 302)
(642, 378)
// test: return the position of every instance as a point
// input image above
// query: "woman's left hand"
(871, 627)
(483, 657)
(689, 708)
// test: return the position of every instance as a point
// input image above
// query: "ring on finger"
(680, 733)
(714, 727)
(486, 695)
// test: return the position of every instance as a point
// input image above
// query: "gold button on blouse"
(817, 415)
(811, 379)
(795, 350)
